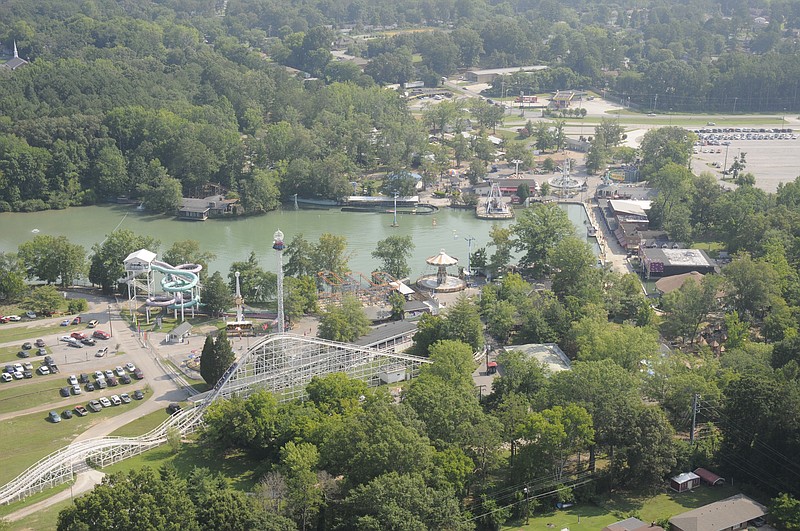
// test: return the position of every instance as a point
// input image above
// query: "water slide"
(178, 283)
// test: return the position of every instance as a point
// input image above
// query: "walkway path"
(84, 482)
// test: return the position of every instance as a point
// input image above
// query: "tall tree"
(537, 231)
(217, 295)
(189, 252)
(299, 257)
(393, 252)
(346, 322)
(217, 357)
(52, 259)
(329, 254)
(44, 300)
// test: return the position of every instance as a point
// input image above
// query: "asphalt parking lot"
(771, 161)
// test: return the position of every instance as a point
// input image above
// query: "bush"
(77, 306)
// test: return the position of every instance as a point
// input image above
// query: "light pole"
(394, 223)
(469, 239)
(110, 328)
(279, 246)
(783, 119)
(516, 163)
(725, 164)
(527, 509)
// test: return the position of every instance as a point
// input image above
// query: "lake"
(232, 239)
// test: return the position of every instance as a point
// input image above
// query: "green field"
(241, 470)
(9, 354)
(24, 394)
(142, 425)
(590, 517)
(32, 331)
(46, 518)
(42, 437)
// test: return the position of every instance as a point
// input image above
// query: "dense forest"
(154, 100)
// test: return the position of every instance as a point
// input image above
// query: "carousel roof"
(442, 259)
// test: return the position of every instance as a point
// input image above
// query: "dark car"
(54, 417)
(67, 414)
(138, 374)
(48, 359)
(99, 334)
(27, 345)
(101, 383)
(112, 381)
(64, 391)
(27, 374)
(22, 354)
(39, 342)
(125, 379)
(138, 395)
(83, 378)
(88, 341)
(173, 408)
(89, 386)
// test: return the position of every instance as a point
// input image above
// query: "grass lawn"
(241, 469)
(589, 517)
(32, 331)
(9, 354)
(26, 439)
(23, 394)
(712, 248)
(33, 498)
(46, 518)
(142, 425)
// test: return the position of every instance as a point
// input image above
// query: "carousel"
(441, 282)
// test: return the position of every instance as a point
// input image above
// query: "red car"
(99, 334)
(78, 335)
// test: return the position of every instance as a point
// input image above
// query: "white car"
(18, 367)
(76, 389)
(44, 369)
(120, 371)
(28, 366)
(18, 375)
(98, 375)
(6, 377)
(104, 401)
(66, 339)
(130, 366)
(109, 373)
(13, 317)
(115, 400)
(101, 352)
(125, 397)
(72, 380)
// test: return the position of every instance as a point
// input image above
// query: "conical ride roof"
(442, 259)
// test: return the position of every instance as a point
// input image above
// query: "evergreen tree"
(217, 357)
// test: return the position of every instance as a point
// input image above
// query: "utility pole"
(527, 507)
(695, 397)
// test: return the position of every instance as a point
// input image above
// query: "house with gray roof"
(729, 514)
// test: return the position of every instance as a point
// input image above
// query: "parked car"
(92, 323)
(115, 400)
(119, 370)
(28, 366)
(27, 345)
(81, 411)
(13, 317)
(125, 397)
(23, 354)
(64, 391)
(99, 334)
(83, 378)
(67, 414)
(18, 367)
(94, 405)
(75, 343)
(42, 352)
(101, 383)
(30, 315)
(76, 320)
(77, 335)
(72, 379)
(65, 322)
(27, 374)
(125, 379)
(138, 395)
(130, 366)
(112, 381)
(9, 369)
(108, 373)
(76, 389)
(53, 368)
(88, 341)
(173, 408)
(18, 375)
(44, 370)
(138, 374)
(98, 375)
(101, 352)
(54, 417)
(89, 386)
(105, 402)
(39, 342)
(48, 360)
(6, 377)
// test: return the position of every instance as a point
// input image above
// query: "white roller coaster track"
(282, 364)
